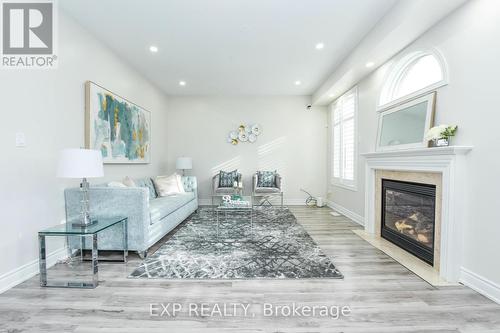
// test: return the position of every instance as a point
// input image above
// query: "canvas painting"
(120, 129)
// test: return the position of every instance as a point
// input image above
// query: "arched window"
(415, 74)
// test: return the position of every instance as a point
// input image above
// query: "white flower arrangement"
(441, 132)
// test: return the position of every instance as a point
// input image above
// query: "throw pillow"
(146, 183)
(167, 185)
(266, 178)
(116, 184)
(180, 183)
(227, 179)
(127, 181)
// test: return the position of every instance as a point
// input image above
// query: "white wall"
(48, 106)
(469, 41)
(293, 140)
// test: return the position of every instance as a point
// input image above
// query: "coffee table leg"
(42, 260)
(251, 221)
(217, 212)
(94, 260)
(82, 245)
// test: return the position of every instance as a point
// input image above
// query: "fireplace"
(408, 217)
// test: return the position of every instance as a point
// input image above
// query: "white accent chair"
(267, 192)
(218, 191)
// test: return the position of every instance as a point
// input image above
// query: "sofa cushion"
(266, 190)
(163, 206)
(224, 190)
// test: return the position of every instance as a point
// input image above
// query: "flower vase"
(441, 142)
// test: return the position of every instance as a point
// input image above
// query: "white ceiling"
(406, 21)
(231, 47)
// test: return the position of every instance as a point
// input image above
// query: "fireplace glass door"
(408, 217)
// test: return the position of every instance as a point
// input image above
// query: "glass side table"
(68, 229)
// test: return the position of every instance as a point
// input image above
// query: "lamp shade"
(184, 163)
(80, 163)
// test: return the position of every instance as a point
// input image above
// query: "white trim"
(419, 93)
(345, 186)
(480, 284)
(435, 151)
(295, 202)
(27, 271)
(451, 163)
(346, 212)
(394, 76)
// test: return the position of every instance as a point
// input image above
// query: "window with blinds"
(343, 117)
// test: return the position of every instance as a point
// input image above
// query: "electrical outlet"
(20, 140)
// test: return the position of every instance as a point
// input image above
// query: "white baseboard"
(27, 271)
(480, 284)
(295, 202)
(289, 202)
(346, 212)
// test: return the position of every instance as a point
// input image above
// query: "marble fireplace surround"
(442, 166)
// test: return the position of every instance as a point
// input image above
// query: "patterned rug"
(273, 246)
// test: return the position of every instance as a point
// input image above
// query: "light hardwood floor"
(383, 295)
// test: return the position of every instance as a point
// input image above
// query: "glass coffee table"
(68, 229)
(228, 209)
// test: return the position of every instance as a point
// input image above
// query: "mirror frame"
(429, 121)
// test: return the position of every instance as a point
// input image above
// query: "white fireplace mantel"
(451, 163)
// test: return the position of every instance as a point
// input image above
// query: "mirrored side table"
(91, 231)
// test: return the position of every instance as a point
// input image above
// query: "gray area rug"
(273, 246)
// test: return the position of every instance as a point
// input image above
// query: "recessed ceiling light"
(153, 49)
(298, 83)
(369, 64)
(182, 83)
(320, 46)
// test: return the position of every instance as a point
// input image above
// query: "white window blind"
(343, 144)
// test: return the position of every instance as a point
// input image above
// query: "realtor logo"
(28, 34)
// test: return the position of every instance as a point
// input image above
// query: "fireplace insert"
(408, 217)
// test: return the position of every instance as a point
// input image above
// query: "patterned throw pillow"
(227, 179)
(152, 190)
(147, 183)
(266, 178)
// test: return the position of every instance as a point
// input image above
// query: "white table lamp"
(83, 164)
(184, 163)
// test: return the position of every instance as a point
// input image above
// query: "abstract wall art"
(244, 133)
(120, 129)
